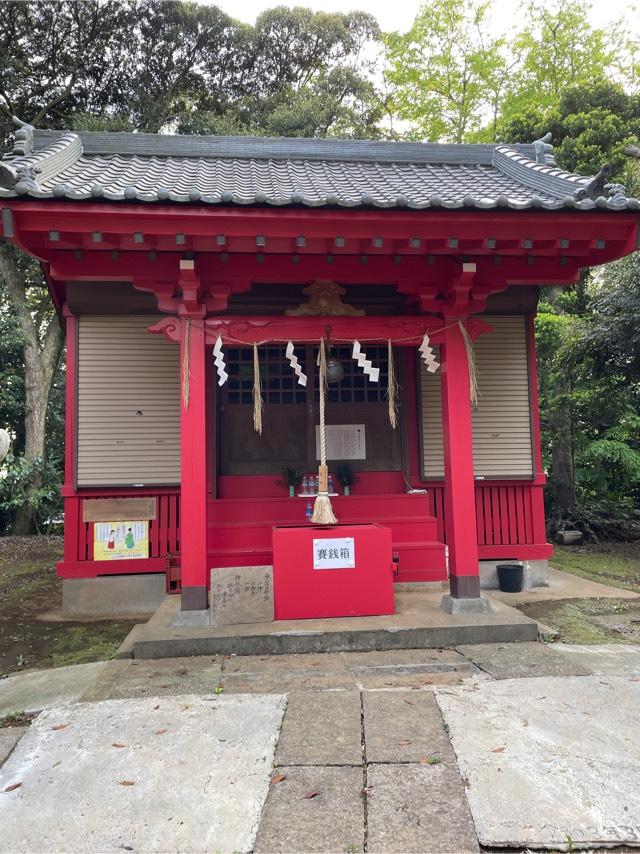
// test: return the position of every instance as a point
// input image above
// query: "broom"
(322, 509)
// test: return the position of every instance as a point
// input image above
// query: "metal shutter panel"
(123, 369)
(502, 420)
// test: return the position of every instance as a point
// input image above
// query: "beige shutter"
(124, 370)
(502, 419)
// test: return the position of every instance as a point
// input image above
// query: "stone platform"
(419, 622)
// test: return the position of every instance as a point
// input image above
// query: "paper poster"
(335, 553)
(120, 540)
(344, 442)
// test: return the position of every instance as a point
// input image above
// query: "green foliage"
(16, 478)
(447, 71)
(345, 474)
(291, 476)
(557, 49)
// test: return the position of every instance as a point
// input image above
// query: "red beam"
(407, 331)
(84, 218)
(411, 275)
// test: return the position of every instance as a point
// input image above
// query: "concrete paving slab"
(404, 726)
(513, 661)
(283, 673)
(180, 774)
(604, 659)
(562, 585)
(279, 683)
(103, 684)
(548, 758)
(319, 663)
(165, 677)
(409, 668)
(9, 737)
(41, 689)
(333, 820)
(418, 808)
(321, 729)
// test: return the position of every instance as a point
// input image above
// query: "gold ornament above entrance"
(325, 300)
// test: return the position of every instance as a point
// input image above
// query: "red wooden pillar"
(193, 461)
(460, 507)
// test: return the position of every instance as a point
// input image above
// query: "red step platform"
(240, 529)
(333, 571)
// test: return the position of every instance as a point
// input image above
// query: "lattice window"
(279, 383)
(355, 386)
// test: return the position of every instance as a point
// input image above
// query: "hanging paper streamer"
(426, 353)
(295, 364)
(219, 362)
(364, 363)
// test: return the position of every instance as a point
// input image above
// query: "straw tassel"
(186, 367)
(322, 509)
(258, 403)
(471, 361)
(392, 388)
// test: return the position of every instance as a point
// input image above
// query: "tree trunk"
(41, 350)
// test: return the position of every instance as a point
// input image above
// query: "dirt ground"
(596, 621)
(29, 589)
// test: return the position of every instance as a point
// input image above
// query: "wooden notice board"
(118, 509)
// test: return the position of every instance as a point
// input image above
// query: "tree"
(558, 49)
(174, 51)
(148, 66)
(448, 72)
(42, 344)
(54, 58)
(303, 74)
(590, 125)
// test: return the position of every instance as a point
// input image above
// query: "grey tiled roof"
(209, 170)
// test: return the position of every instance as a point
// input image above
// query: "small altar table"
(332, 571)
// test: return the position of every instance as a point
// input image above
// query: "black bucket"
(510, 577)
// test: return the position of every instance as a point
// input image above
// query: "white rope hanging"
(364, 363)
(186, 365)
(219, 362)
(471, 361)
(295, 364)
(258, 403)
(322, 509)
(392, 388)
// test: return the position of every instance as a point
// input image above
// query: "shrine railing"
(507, 513)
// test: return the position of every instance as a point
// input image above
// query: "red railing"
(506, 514)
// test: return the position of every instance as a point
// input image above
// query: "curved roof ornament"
(598, 186)
(544, 150)
(22, 138)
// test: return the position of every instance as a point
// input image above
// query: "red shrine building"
(169, 257)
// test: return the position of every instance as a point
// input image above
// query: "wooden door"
(291, 412)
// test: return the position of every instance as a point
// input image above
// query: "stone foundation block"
(536, 573)
(113, 596)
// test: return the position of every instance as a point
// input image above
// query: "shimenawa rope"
(322, 509)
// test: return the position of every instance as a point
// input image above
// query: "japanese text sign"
(336, 553)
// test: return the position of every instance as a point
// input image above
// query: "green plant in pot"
(345, 477)
(292, 477)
